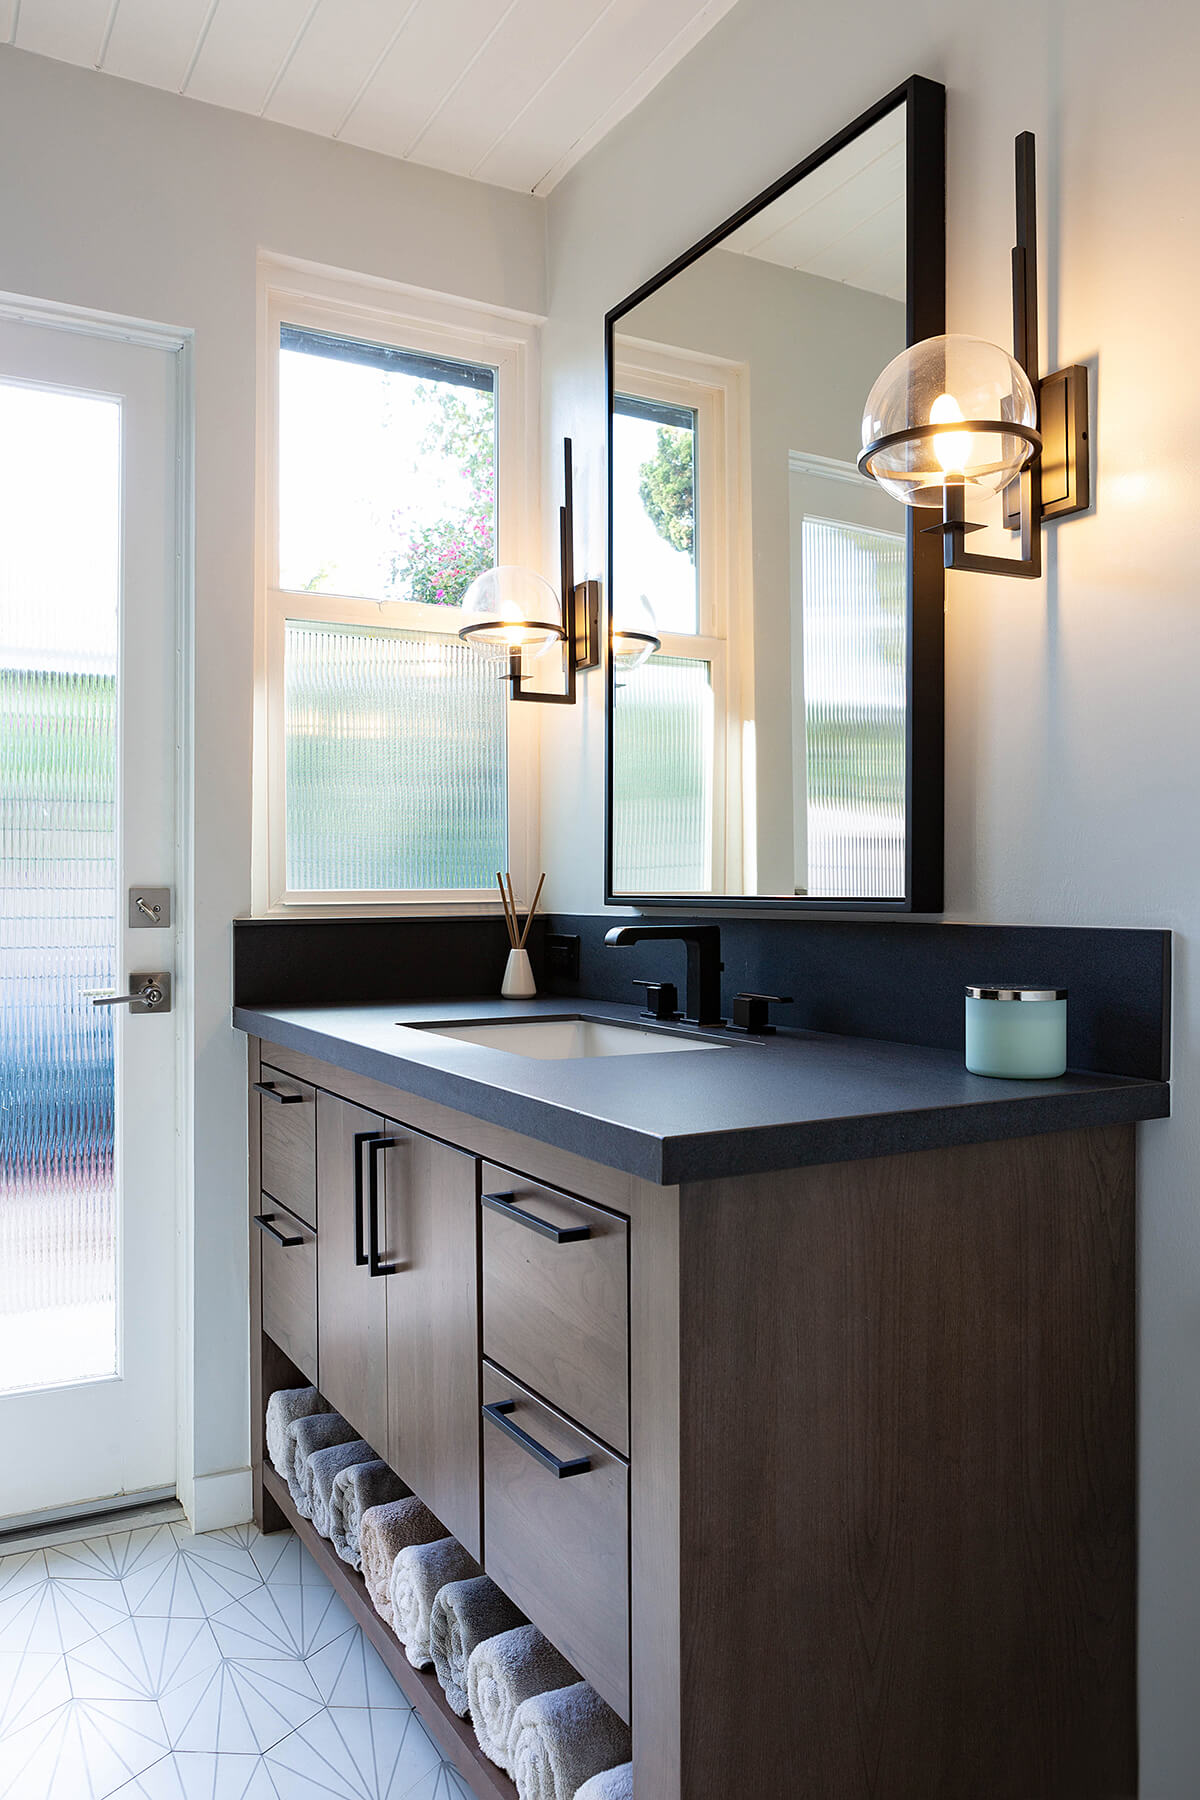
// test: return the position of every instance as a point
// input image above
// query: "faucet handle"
(662, 999)
(750, 1012)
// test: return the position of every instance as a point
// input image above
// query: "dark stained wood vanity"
(858, 1516)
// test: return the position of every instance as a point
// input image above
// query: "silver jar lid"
(1006, 992)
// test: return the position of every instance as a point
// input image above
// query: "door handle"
(264, 1223)
(147, 994)
(558, 1234)
(375, 1149)
(360, 1251)
(495, 1411)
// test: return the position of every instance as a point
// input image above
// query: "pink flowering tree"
(439, 561)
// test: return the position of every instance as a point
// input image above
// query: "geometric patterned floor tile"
(83, 1750)
(31, 1685)
(444, 1784)
(239, 1707)
(119, 1554)
(352, 1753)
(281, 1621)
(282, 1560)
(348, 1672)
(142, 1659)
(24, 1568)
(201, 1776)
(59, 1615)
(194, 1581)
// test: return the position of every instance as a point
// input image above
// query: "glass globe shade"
(634, 638)
(941, 381)
(511, 608)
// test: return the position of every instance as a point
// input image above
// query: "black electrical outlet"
(561, 956)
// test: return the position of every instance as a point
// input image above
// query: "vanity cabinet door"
(429, 1249)
(351, 1303)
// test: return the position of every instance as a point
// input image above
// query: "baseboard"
(212, 1502)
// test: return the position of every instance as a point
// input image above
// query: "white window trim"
(716, 391)
(508, 342)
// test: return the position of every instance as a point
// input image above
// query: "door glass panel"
(59, 638)
(662, 773)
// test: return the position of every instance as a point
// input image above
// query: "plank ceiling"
(511, 92)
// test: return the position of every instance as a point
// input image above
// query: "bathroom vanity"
(786, 1383)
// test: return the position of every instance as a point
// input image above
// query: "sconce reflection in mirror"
(955, 415)
(514, 611)
(632, 645)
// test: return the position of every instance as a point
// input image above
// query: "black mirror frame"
(925, 316)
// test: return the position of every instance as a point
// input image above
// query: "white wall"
(132, 201)
(1073, 724)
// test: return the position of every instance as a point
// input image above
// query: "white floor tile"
(31, 1685)
(352, 1753)
(281, 1621)
(202, 1776)
(241, 1707)
(348, 1672)
(60, 1615)
(194, 1583)
(282, 1560)
(23, 1570)
(119, 1554)
(143, 1659)
(83, 1750)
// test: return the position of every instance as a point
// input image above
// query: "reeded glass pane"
(387, 470)
(59, 598)
(395, 760)
(654, 514)
(662, 761)
(854, 701)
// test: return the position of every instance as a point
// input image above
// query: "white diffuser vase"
(518, 983)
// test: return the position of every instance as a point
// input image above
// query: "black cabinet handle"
(503, 1203)
(375, 1148)
(495, 1410)
(360, 1251)
(264, 1223)
(271, 1092)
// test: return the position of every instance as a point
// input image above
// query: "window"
(676, 746)
(395, 459)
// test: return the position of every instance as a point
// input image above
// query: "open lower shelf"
(455, 1737)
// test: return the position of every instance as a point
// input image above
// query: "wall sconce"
(518, 611)
(954, 414)
(632, 647)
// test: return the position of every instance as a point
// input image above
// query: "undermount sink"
(561, 1040)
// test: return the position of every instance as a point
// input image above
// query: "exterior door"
(88, 1149)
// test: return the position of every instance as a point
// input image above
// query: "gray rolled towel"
(284, 1407)
(501, 1673)
(417, 1574)
(384, 1532)
(610, 1784)
(356, 1488)
(320, 1472)
(308, 1436)
(561, 1739)
(464, 1614)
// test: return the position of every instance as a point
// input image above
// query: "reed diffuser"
(518, 983)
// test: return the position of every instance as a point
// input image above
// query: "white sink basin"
(560, 1040)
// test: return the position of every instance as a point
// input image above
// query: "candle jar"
(1018, 1033)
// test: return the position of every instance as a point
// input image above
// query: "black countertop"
(748, 1106)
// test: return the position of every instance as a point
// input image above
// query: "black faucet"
(702, 1004)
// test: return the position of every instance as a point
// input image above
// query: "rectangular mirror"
(775, 728)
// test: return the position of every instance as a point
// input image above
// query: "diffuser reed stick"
(529, 916)
(509, 918)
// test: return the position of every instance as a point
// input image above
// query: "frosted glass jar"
(1019, 1033)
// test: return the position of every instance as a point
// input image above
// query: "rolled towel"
(355, 1488)
(308, 1436)
(610, 1784)
(383, 1533)
(284, 1407)
(561, 1739)
(501, 1673)
(417, 1574)
(464, 1614)
(320, 1472)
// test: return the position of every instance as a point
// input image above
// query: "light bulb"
(952, 448)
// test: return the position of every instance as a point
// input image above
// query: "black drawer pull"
(360, 1246)
(272, 1093)
(263, 1221)
(495, 1410)
(503, 1203)
(375, 1149)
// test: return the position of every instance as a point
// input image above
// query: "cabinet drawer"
(556, 1299)
(288, 1251)
(558, 1544)
(288, 1110)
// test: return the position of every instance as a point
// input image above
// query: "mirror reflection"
(759, 583)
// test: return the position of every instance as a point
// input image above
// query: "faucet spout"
(702, 1003)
